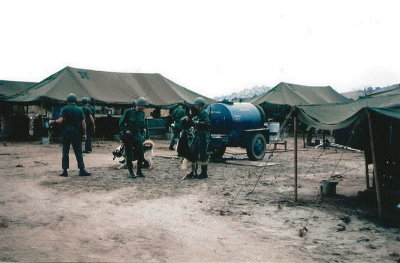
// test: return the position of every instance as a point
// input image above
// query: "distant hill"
(244, 94)
(356, 94)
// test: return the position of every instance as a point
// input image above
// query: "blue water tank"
(228, 117)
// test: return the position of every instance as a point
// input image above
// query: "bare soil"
(161, 218)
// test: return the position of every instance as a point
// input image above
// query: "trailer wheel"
(218, 153)
(256, 147)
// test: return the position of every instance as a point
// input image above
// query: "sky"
(212, 47)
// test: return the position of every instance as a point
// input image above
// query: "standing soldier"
(177, 114)
(74, 129)
(90, 125)
(201, 139)
(132, 125)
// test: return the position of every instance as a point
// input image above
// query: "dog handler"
(74, 129)
(132, 125)
(201, 138)
(177, 114)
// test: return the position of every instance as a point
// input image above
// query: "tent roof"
(293, 94)
(341, 115)
(108, 88)
(391, 90)
(8, 88)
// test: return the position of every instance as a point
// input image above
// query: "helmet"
(88, 100)
(199, 101)
(85, 100)
(142, 102)
(72, 98)
(181, 103)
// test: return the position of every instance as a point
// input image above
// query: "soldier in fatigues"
(201, 139)
(74, 129)
(177, 114)
(90, 125)
(132, 125)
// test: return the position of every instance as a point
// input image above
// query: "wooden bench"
(280, 143)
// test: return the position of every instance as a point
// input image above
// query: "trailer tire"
(256, 147)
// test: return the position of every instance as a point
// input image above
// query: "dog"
(148, 148)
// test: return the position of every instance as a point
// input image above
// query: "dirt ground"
(161, 218)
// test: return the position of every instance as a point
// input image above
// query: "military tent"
(8, 88)
(293, 94)
(377, 119)
(278, 101)
(341, 115)
(106, 88)
(391, 90)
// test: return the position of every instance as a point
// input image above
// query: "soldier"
(201, 139)
(90, 124)
(74, 129)
(132, 125)
(177, 114)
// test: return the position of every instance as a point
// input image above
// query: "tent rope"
(266, 163)
(319, 196)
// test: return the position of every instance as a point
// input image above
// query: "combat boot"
(83, 172)
(64, 173)
(171, 148)
(131, 174)
(140, 173)
(203, 174)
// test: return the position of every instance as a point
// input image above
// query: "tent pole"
(295, 157)
(377, 183)
(366, 173)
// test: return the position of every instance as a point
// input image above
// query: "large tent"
(392, 90)
(278, 102)
(106, 88)
(293, 94)
(376, 120)
(8, 88)
(341, 115)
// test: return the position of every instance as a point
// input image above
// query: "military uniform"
(177, 114)
(199, 144)
(133, 121)
(201, 139)
(87, 111)
(72, 134)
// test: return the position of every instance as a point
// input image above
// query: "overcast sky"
(213, 47)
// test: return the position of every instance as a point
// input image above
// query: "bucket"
(45, 140)
(273, 127)
(328, 187)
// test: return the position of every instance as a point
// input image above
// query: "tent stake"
(376, 177)
(295, 157)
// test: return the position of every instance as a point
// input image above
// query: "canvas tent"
(341, 115)
(106, 88)
(392, 90)
(8, 88)
(293, 94)
(278, 102)
(378, 120)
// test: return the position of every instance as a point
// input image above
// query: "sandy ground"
(108, 217)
